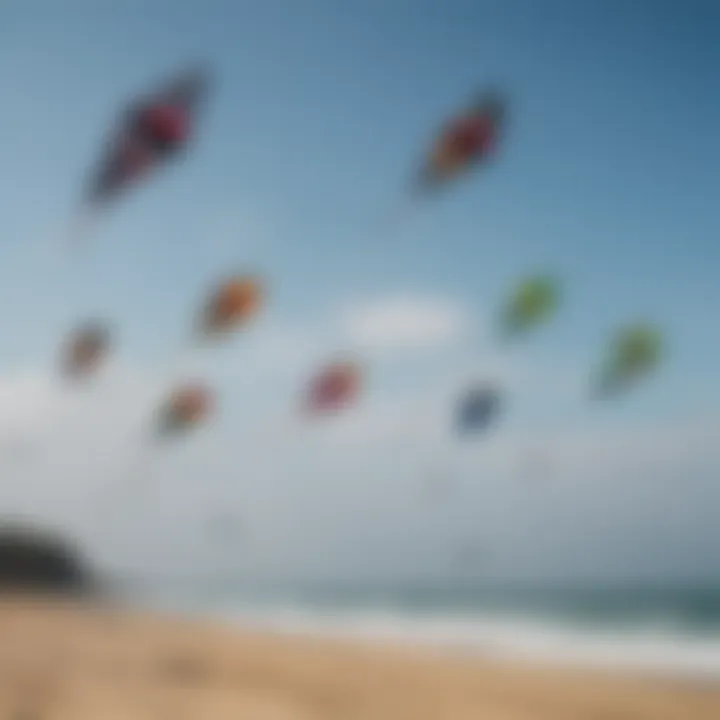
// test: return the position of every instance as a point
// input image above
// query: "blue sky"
(608, 175)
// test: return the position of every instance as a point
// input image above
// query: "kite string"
(182, 356)
(140, 439)
(34, 277)
(377, 235)
(116, 496)
(128, 481)
(390, 219)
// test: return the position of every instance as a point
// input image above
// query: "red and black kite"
(152, 131)
(465, 141)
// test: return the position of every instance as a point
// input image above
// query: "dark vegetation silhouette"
(40, 561)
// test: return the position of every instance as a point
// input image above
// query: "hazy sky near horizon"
(608, 175)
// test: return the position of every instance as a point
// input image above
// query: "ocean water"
(673, 631)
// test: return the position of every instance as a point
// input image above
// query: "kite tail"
(175, 364)
(605, 385)
(180, 359)
(118, 498)
(80, 231)
(423, 184)
(286, 427)
(397, 215)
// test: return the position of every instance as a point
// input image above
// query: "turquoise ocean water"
(674, 630)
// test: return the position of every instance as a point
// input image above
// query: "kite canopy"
(152, 130)
(234, 302)
(87, 348)
(466, 140)
(635, 351)
(334, 388)
(534, 301)
(477, 408)
(186, 407)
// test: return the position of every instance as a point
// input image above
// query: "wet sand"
(63, 662)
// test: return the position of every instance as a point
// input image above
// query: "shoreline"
(93, 662)
(655, 650)
(474, 653)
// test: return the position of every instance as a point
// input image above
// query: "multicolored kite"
(635, 351)
(231, 304)
(87, 348)
(153, 130)
(186, 408)
(477, 408)
(333, 388)
(466, 140)
(534, 301)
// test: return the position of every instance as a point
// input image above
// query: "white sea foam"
(656, 649)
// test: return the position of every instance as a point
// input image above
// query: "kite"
(333, 388)
(152, 131)
(534, 301)
(186, 408)
(635, 351)
(477, 408)
(232, 304)
(87, 348)
(466, 141)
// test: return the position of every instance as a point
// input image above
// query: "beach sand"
(62, 661)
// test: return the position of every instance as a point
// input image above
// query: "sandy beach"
(61, 661)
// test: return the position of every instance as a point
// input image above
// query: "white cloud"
(24, 398)
(421, 427)
(404, 321)
(270, 349)
(329, 481)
